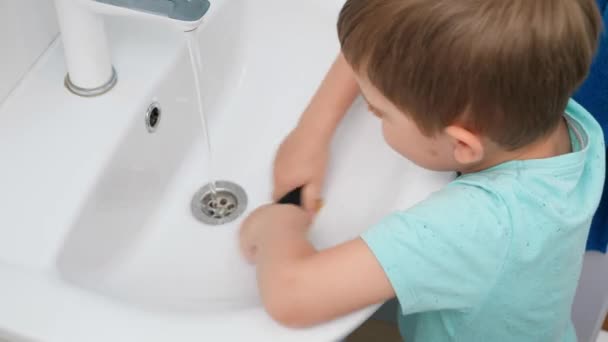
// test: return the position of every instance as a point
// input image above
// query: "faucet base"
(92, 92)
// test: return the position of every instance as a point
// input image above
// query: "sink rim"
(57, 305)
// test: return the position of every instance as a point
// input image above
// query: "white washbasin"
(97, 241)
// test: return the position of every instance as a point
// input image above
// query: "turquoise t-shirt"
(496, 255)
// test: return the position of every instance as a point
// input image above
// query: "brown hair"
(502, 68)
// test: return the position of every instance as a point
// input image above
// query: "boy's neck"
(554, 144)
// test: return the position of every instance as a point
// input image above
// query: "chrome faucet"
(90, 70)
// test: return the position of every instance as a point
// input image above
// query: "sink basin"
(116, 242)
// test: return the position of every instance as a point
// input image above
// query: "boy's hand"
(301, 161)
(271, 223)
(300, 286)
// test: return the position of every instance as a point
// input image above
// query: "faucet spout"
(175, 9)
(90, 71)
(184, 14)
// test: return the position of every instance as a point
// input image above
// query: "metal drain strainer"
(227, 204)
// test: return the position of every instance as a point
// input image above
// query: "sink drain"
(227, 204)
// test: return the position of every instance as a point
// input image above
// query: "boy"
(478, 87)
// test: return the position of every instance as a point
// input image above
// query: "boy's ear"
(467, 146)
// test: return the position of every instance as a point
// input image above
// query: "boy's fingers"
(250, 253)
(278, 188)
(311, 197)
(278, 192)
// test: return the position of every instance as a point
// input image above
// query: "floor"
(375, 330)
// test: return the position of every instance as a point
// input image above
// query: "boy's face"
(403, 135)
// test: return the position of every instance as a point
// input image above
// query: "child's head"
(455, 80)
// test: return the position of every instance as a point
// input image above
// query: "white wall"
(27, 27)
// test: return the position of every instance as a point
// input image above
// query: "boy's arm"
(434, 262)
(301, 286)
(330, 103)
(304, 289)
(302, 157)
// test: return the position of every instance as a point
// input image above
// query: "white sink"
(97, 241)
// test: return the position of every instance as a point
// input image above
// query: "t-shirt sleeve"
(446, 252)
